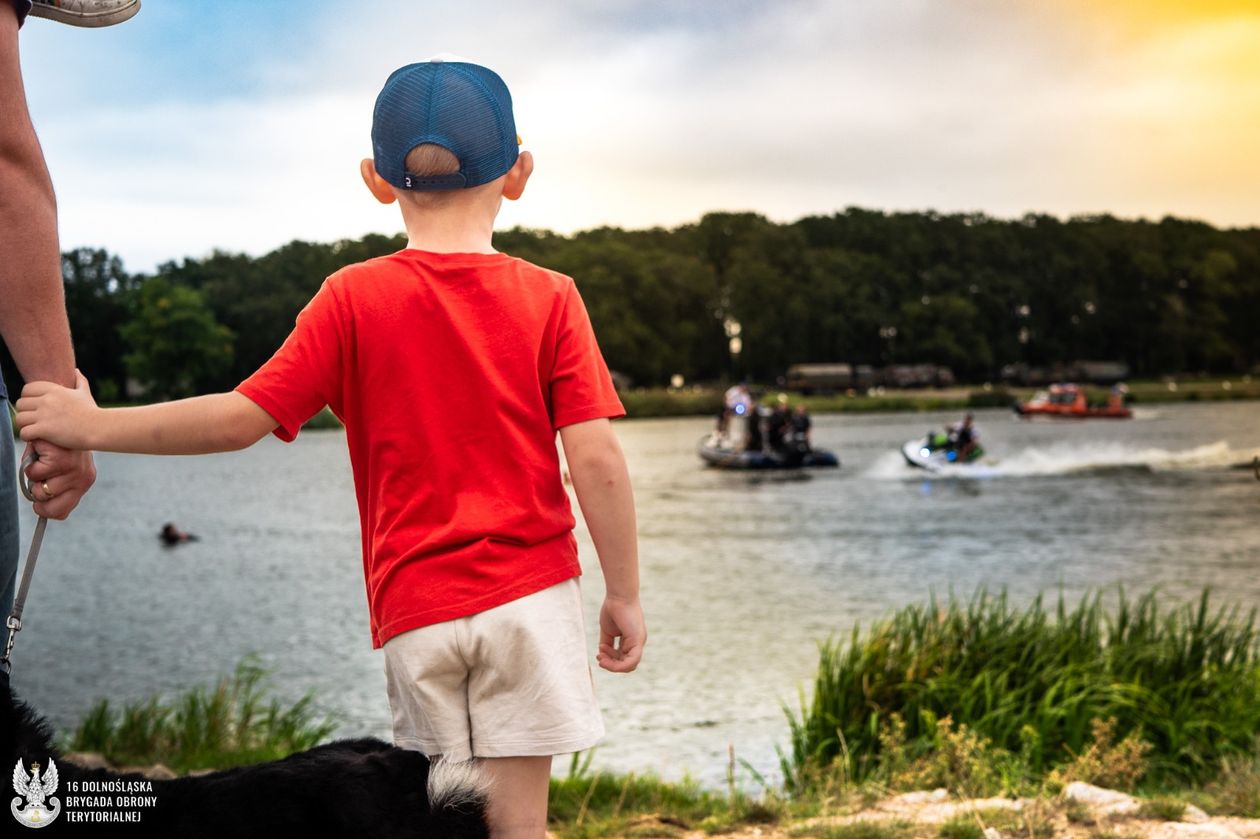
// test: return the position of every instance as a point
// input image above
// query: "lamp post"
(734, 344)
(889, 334)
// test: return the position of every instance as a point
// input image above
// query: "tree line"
(967, 291)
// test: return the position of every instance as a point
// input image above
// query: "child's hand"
(621, 619)
(57, 414)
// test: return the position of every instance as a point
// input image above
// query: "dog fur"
(363, 787)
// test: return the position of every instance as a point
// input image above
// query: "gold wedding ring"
(48, 493)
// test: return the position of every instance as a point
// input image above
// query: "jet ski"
(936, 453)
(714, 450)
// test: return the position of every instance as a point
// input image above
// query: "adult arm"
(33, 320)
(217, 422)
(33, 315)
(602, 483)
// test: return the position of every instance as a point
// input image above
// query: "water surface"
(742, 573)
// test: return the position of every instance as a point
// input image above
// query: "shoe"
(86, 12)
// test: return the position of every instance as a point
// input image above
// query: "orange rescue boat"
(1068, 401)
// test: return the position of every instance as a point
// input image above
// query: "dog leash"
(14, 623)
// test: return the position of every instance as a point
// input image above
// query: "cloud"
(653, 113)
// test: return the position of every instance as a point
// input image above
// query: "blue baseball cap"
(461, 106)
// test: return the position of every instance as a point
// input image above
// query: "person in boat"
(172, 535)
(801, 425)
(1115, 399)
(963, 437)
(736, 402)
(754, 439)
(779, 425)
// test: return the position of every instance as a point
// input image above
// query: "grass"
(1236, 790)
(701, 401)
(593, 804)
(1165, 700)
(1161, 700)
(704, 401)
(961, 827)
(1162, 809)
(868, 830)
(661, 402)
(1078, 813)
(227, 725)
(987, 697)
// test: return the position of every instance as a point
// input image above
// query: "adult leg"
(518, 796)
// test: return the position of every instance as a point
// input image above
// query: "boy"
(469, 557)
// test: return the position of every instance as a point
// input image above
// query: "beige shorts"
(510, 681)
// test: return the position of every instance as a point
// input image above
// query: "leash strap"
(14, 623)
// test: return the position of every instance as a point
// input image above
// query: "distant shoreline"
(649, 403)
(662, 402)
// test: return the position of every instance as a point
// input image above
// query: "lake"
(743, 574)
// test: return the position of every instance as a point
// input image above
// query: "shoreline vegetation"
(704, 401)
(650, 403)
(701, 401)
(1113, 716)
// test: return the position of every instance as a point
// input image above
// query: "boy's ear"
(378, 186)
(517, 176)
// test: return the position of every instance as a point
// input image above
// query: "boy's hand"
(57, 414)
(621, 619)
(67, 475)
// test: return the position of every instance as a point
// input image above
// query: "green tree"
(98, 295)
(177, 346)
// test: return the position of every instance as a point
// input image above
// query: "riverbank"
(1077, 811)
(1118, 716)
(604, 806)
(699, 401)
(646, 403)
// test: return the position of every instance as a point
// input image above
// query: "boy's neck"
(462, 227)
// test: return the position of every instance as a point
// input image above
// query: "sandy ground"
(1083, 811)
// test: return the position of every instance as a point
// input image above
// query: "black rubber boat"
(726, 458)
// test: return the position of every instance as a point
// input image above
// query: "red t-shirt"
(452, 373)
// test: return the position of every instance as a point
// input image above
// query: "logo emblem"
(35, 790)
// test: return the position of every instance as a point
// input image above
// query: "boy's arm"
(602, 482)
(202, 424)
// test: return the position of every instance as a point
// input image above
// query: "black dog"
(363, 787)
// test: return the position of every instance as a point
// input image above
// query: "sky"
(239, 124)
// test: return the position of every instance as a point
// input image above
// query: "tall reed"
(229, 725)
(1185, 679)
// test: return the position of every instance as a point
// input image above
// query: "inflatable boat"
(1067, 401)
(715, 453)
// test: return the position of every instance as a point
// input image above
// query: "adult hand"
(621, 620)
(64, 473)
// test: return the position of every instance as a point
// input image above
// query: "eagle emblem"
(36, 791)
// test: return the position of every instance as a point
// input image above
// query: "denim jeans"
(8, 518)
